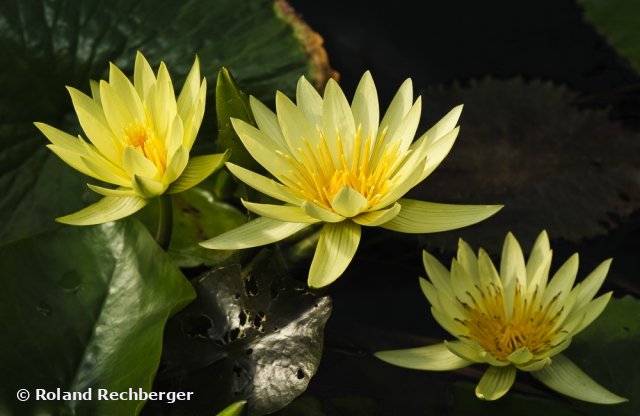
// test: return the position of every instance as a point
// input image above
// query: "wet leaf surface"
(256, 336)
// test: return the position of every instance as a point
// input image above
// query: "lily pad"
(255, 336)
(84, 308)
(525, 145)
(617, 20)
(49, 44)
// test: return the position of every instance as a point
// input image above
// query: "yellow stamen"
(317, 176)
(143, 137)
(528, 327)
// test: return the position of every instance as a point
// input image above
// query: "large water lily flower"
(515, 319)
(338, 164)
(139, 140)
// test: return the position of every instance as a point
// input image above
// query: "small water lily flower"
(515, 319)
(139, 137)
(336, 163)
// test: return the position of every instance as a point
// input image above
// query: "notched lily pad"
(523, 144)
(256, 336)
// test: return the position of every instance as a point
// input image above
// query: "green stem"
(165, 221)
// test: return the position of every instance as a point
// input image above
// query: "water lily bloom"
(515, 319)
(139, 137)
(336, 163)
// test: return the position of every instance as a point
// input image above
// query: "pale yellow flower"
(336, 163)
(139, 137)
(515, 319)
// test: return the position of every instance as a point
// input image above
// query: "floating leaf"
(257, 337)
(524, 145)
(85, 308)
(617, 20)
(49, 44)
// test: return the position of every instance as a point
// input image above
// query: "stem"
(165, 221)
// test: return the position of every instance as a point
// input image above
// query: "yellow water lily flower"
(139, 140)
(515, 319)
(338, 164)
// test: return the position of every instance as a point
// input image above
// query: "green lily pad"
(49, 44)
(84, 308)
(256, 337)
(617, 20)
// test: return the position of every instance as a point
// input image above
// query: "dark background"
(377, 303)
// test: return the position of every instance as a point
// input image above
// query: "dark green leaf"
(231, 101)
(257, 338)
(617, 20)
(234, 409)
(84, 308)
(49, 44)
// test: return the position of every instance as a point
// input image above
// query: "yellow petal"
(134, 163)
(164, 107)
(198, 169)
(193, 119)
(261, 147)
(405, 132)
(116, 113)
(256, 233)
(348, 202)
(337, 121)
(432, 358)
(294, 125)
(397, 111)
(309, 102)
(321, 213)
(177, 165)
(267, 121)
(120, 192)
(565, 377)
(512, 271)
(588, 288)
(107, 209)
(95, 126)
(285, 213)
(265, 185)
(495, 382)
(147, 187)
(444, 126)
(122, 87)
(336, 247)
(190, 90)
(376, 218)
(143, 77)
(429, 217)
(365, 108)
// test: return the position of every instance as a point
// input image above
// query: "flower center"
(318, 176)
(530, 325)
(143, 137)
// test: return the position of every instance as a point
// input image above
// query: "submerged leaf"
(524, 145)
